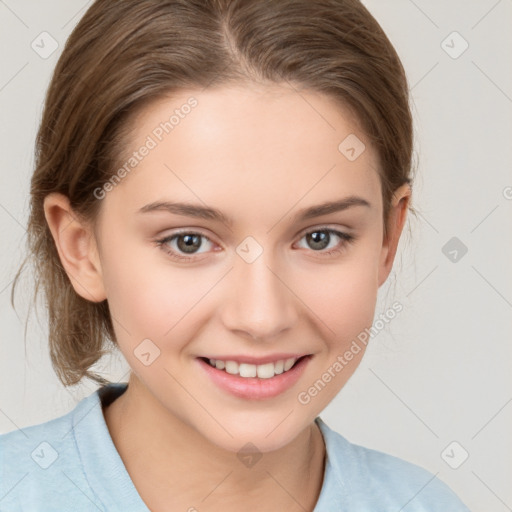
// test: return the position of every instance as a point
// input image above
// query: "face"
(256, 281)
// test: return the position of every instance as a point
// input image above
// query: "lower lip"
(254, 388)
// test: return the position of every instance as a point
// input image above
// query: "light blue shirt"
(71, 463)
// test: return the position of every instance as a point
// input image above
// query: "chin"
(262, 436)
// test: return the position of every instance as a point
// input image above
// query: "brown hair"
(126, 53)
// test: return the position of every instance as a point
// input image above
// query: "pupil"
(191, 242)
(318, 237)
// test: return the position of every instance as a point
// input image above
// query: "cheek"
(346, 306)
(343, 296)
(149, 298)
(137, 293)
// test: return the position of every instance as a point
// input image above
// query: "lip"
(273, 358)
(254, 388)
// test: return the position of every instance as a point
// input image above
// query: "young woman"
(219, 193)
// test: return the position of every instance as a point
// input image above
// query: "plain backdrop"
(435, 385)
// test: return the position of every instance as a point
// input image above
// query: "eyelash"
(345, 237)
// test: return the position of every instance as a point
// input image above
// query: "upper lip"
(273, 358)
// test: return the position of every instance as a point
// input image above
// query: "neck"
(170, 462)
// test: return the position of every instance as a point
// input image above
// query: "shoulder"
(41, 464)
(367, 478)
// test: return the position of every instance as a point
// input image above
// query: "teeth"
(263, 371)
(289, 363)
(232, 367)
(247, 370)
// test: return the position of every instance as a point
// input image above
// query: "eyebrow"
(209, 213)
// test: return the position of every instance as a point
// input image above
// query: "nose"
(260, 303)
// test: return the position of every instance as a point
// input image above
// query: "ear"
(396, 220)
(76, 246)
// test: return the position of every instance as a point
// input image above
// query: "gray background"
(440, 371)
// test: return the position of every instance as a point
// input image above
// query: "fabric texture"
(71, 463)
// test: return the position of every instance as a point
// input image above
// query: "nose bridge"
(259, 303)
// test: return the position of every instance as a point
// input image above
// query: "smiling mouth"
(262, 371)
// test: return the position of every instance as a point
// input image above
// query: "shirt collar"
(110, 480)
(103, 466)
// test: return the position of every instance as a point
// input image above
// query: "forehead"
(265, 145)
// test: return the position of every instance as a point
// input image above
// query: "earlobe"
(396, 222)
(76, 246)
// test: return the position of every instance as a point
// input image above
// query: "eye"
(187, 242)
(321, 238)
(183, 246)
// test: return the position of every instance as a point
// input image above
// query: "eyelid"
(162, 242)
(300, 234)
(325, 227)
(197, 232)
(345, 236)
(187, 231)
